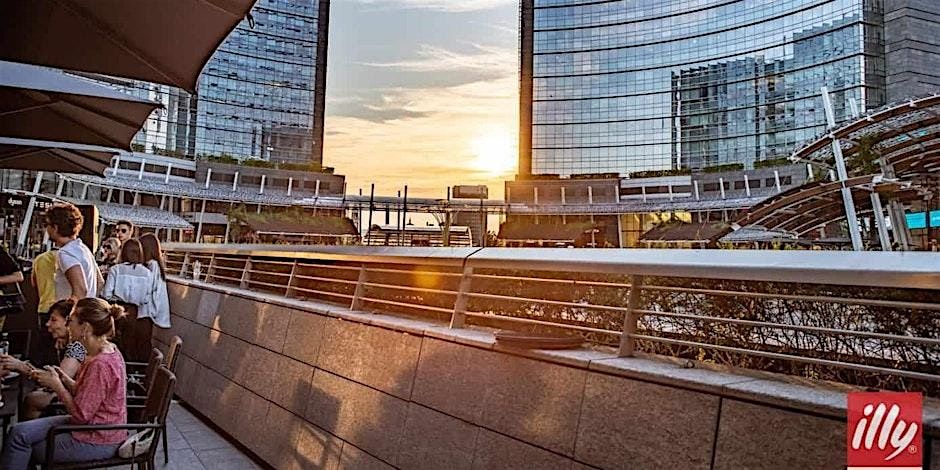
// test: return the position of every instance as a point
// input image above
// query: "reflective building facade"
(635, 85)
(261, 95)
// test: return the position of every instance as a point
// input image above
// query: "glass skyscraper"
(260, 96)
(634, 85)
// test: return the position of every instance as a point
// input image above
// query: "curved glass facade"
(633, 85)
(259, 96)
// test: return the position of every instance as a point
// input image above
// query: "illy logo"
(885, 431)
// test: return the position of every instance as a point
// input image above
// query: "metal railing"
(870, 318)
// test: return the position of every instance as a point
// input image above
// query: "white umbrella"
(39, 103)
(162, 41)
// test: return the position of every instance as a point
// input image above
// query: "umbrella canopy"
(167, 41)
(39, 103)
(23, 154)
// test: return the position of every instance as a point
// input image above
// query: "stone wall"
(312, 385)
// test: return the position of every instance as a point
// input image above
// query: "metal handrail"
(453, 280)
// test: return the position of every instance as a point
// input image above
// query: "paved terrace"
(305, 383)
(194, 445)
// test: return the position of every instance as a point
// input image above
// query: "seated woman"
(71, 357)
(96, 397)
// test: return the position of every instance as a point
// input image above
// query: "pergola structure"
(805, 210)
(890, 155)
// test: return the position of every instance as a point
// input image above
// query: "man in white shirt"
(76, 275)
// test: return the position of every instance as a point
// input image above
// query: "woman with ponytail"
(96, 396)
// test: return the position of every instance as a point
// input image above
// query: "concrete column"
(695, 188)
(316, 190)
(263, 179)
(535, 195)
(563, 199)
(202, 215)
(721, 186)
(590, 195)
(290, 185)
(208, 177)
(643, 192)
(670, 191)
(84, 191)
(60, 187)
(747, 186)
(777, 180)
(235, 182)
(140, 173)
(166, 177)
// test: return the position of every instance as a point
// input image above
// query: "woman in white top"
(130, 284)
(76, 274)
(159, 307)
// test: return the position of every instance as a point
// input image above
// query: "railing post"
(246, 274)
(360, 289)
(459, 317)
(211, 270)
(290, 280)
(631, 318)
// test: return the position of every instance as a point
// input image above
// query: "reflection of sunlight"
(493, 151)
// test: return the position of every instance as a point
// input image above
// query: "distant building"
(623, 86)
(634, 114)
(260, 96)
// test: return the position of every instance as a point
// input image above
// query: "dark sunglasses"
(123, 230)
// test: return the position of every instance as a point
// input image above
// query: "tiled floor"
(196, 446)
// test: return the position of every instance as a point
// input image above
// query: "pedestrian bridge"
(352, 357)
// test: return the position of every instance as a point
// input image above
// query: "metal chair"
(138, 383)
(172, 355)
(155, 410)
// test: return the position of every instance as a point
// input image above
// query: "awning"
(23, 154)
(906, 135)
(167, 41)
(683, 232)
(40, 103)
(310, 226)
(149, 217)
(801, 210)
(521, 230)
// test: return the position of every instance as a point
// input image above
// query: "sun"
(494, 152)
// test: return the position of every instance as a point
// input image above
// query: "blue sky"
(422, 92)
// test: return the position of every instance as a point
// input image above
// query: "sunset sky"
(423, 93)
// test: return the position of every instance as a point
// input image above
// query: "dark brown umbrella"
(39, 103)
(165, 41)
(22, 154)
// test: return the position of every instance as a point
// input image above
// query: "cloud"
(433, 148)
(494, 61)
(441, 5)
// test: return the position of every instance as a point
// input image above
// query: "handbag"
(136, 445)
(11, 303)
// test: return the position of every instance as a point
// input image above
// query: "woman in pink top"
(97, 396)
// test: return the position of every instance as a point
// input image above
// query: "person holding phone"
(96, 396)
(71, 356)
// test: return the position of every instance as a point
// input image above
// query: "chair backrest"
(172, 355)
(157, 403)
(156, 360)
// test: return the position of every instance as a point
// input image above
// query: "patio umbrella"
(39, 103)
(166, 41)
(37, 155)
